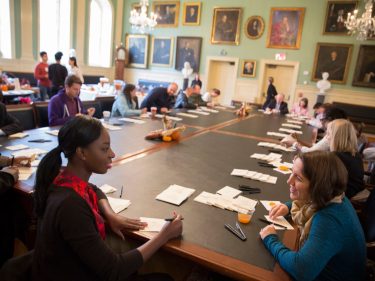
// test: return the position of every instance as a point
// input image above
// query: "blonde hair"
(343, 136)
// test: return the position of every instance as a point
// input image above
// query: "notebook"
(175, 194)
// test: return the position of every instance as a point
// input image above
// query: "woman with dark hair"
(331, 244)
(74, 69)
(301, 108)
(126, 104)
(71, 212)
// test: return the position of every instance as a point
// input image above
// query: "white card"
(239, 172)
(229, 192)
(131, 120)
(118, 204)
(18, 135)
(111, 127)
(17, 147)
(186, 115)
(53, 132)
(269, 204)
(205, 198)
(106, 188)
(153, 224)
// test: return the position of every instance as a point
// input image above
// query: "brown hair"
(327, 176)
(343, 136)
(216, 91)
(72, 79)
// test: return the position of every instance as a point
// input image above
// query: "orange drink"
(245, 217)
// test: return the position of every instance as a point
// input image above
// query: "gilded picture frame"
(336, 15)
(364, 74)
(162, 51)
(188, 49)
(334, 59)
(254, 27)
(191, 13)
(226, 26)
(137, 48)
(285, 28)
(167, 13)
(248, 68)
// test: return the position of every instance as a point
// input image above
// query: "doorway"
(285, 76)
(222, 74)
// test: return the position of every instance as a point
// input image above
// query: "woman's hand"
(173, 229)
(268, 230)
(118, 223)
(22, 161)
(278, 210)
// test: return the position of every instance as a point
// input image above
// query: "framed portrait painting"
(226, 26)
(334, 59)
(188, 49)
(167, 13)
(285, 29)
(137, 47)
(161, 51)
(137, 7)
(191, 14)
(248, 68)
(364, 74)
(336, 14)
(254, 27)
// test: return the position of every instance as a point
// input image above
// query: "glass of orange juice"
(245, 216)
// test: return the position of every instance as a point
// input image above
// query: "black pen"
(240, 229)
(270, 222)
(235, 232)
(39, 140)
(122, 187)
(171, 219)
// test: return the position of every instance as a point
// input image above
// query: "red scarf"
(83, 189)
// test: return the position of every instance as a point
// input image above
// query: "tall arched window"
(5, 37)
(54, 27)
(100, 34)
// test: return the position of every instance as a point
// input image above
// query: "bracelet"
(11, 163)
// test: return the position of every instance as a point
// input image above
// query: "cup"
(245, 216)
(153, 111)
(106, 115)
(117, 84)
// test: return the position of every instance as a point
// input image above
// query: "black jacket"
(182, 101)
(283, 106)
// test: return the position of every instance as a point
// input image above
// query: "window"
(54, 28)
(5, 38)
(100, 33)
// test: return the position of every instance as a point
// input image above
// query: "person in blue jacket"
(332, 244)
(126, 104)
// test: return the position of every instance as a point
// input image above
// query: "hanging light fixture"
(139, 20)
(363, 26)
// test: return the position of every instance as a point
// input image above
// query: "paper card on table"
(212, 110)
(18, 135)
(175, 194)
(153, 224)
(244, 203)
(106, 188)
(205, 198)
(131, 120)
(186, 115)
(280, 220)
(229, 192)
(291, 125)
(272, 180)
(249, 174)
(118, 204)
(256, 155)
(169, 117)
(53, 132)
(290, 131)
(285, 172)
(17, 147)
(218, 107)
(276, 134)
(256, 176)
(201, 112)
(221, 201)
(294, 121)
(264, 178)
(269, 204)
(239, 172)
(111, 127)
(29, 152)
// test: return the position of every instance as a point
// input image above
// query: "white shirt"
(76, 71)
(207, 97)
(322, 145)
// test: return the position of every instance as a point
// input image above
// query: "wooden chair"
(24, 113)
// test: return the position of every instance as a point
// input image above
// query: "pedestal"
(186, 84)
(320, 98)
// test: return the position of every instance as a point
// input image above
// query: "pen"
(171, 219)
(235, 232)
(240, 229)
(39, 140)
(122, 187)
(270, 222)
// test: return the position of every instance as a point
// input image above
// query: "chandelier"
(363, 26)
(139, 20)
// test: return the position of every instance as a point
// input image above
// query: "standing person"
(271, 92)
(41, 75)
(196, 81)
(74, 69)
(160, 98)
(126, 104)
(72, 212)
(66, 104)
(331, 244)
(57, 74)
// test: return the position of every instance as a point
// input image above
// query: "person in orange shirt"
(41, 75)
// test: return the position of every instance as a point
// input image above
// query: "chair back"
(24, 113)
(41, 112)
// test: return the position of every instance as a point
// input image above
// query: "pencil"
(122, 187)
(270, 222)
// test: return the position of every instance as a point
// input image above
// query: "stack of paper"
(267, 157)
(254, 176)
(118, 204)
(291, 125)
(153, 224)
(268, 112)
(280, 220)
(131, 120)
(29, 152)
(169, 117)
(229, 192)
(186, 115)
(111, 127)
(175, 194)
(201, 112)
(25, 172)
(276, 134)
(274, 146)
(294, 121)
(290, 131)
(53, 132)
(18, 136)
(106, 188)
(17, 147)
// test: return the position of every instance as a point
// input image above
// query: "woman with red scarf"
(71, 212)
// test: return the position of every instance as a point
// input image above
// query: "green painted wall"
(256, 49)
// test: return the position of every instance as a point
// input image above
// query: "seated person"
(182, 100)
(300, 108)
(331, 243)
(8, 124)
(209, 97)
(196, 97)
(319, 110)
(160, 98)
(73, 214)
(278, 105)
(343, 142)
(66, 103)
(126, 104)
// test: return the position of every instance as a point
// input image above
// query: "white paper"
(212, 110)
(290, 131)
(17, 147)
(272, 180)
(280, 220)
(291, 125)
(186, 115)
(221, 202)
(53, 132)
(169, 117)
(294, 121)
(18, 136)
(175, 194)
(118, 204)
(239, 172)
(269, 204)
(153, 224)
(131, 120)
(111, 127)
(198, 112)
(276, 134)
(29, 152)
(229, 192)
(205, 198)
(106, 188)
(244, 203)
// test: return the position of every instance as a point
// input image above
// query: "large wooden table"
(211, 147)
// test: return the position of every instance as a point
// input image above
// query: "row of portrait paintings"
(162, 50)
